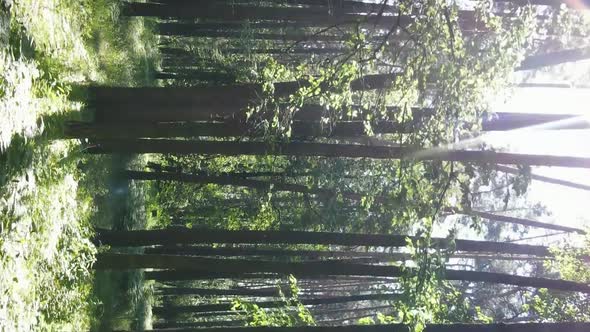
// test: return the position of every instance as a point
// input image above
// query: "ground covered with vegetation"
(51, 194)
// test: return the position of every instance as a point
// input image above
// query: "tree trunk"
(200, 236)
(226, 13)
(306, 254)
(197, 75)
(157, 104)
(218, 323)
(273, 304)
(264, 292)
(174, 325)
(497, 327)
(138, 261)
(510, 121)
(330, 322)
(287, 50)
(522, 221)
(186, 274)
(554, 58)
(236, 252)
(325, 312)
(546, 179)
(333, 151)
(187, 29)
(221, 129)
(241, 182)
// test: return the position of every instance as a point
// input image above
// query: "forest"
(294, 165)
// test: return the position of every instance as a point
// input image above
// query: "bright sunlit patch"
(577, 4)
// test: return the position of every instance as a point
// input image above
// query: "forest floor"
(52, 195)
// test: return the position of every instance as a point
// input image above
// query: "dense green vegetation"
(296, 163)
(52, 195)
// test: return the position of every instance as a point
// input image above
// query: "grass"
(44, 246)
(51, 194)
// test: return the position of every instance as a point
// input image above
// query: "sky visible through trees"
(294, 166)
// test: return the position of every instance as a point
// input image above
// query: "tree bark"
(554, 58)
(510, 121)
(186, 274)
(165, 104)
(273, 304)
(236, 252)
(138, 261)
(196, 236)
(333, 151)
(546, 179)
(241, 182)
(307, 254)
(286, 51)
(197, 75)
(187, 29)
(264, 292)
(216, 323)
(221, 129)
(226, 13)
(496, 327)
(522, 221)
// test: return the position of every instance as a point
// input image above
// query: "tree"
(522, 221)
(241, 266)
(554, 58)
(518, 327)
(547, 179)
(194, 236)
(333, 150)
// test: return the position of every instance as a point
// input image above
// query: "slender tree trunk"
(135, 261)
(333, 151)
(305, 254)
(293, 50)
(186, 274)
(497, 327)
(157, 104)
(272, 304)
(197, 75)
(241, 182)
(217, 323)
(554, 58)
(264, 292)
(200, 236)
(308, 254)
(522, 221)
(330, 322)
(324, 312)
(236, 128)
(183, 29)
(547, 179)
(511, 121)
(546, 85)
(221, 129)
(219, 12)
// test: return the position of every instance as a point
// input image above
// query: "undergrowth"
(51, 194)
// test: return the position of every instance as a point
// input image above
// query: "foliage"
(85, 40)
(422, 301)
(570, 262)
(293, 313)
(546, 306)
(45, 249)
(45, 198)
